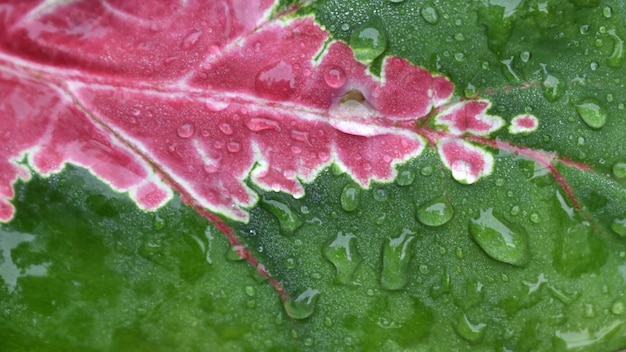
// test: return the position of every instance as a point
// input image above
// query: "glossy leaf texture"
(406, 173)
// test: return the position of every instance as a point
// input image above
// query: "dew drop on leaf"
(226, 129)
(592, 113)
(405, 177)
(470, 331)
(186, 130)
(435, 213)
(343, 254)
(553, 87)
(369, 40)
(334, 76)
(350, 197)
(302, 306)
(233, 147)
(619, 226)
(430, 15)
(500, 240)
(619, 170)
(396, 256)
(276, 81)
(525, 56)
(288, 219)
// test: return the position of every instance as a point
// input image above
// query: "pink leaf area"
(197, 97)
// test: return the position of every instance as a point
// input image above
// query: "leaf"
(505, 206)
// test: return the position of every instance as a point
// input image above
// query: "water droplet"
(592, 113)
(594, 66)
(609, 98)
(534, 217)
(345, 27)
(335, 76)
(584, 29)
(515, 210)
(396, 1)
(343, 254)
(258, 124)
(430, 15)
(235, 253)
(607, 12)
(289, 220)
(396, 256)
(553, 87)
(470, 331)
(500, 240)
(500, 182)
(405, 177)
(350, 197)
(442, 287)
(589, 311)
(426, 171)
(616, 56)
(459, 56)
(226, 129)
(276, 81)
(619, 226)
(233, 147)
(436, 212)
(191, 39)
(459, 36)
(525, 56)
(485, 65)
(250, 291)
(159, 223)
(302, 306)
(458, 252)
(185, 130)
(369, 40)
(618, 308)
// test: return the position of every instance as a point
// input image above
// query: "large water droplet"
(429, 15)
(335, 76)
(470, 331)
(592, 113)
(342, 252)
(276, 81)
(288, 219)
(436, 212)
(619, 170)
(369, 40)
(618, 49)
(619, 226)
(500, 240)
(185, 130)
(350, 197)
(302, 306)
(396, 256)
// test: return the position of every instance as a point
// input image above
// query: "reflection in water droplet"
(185, 130)
(369, 40)
(429, 15)
(335, 76)
(397, 253)
(343, 254)
(289, 220)
(435, 213)
(592, 113)
(302, 306)
(350, 197)
(501, 241)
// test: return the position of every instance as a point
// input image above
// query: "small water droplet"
(343, 254)
(380, 195)
(334, 76)
(233, 147)
(350, 197)
(615, 59)
(235, 253)
(607, 12)
(186, 130)
(345, 27)
(500, 182)
(226, 129)
(258, 124)
(534, 217)
(459, 36)
(190, 40)
(470, 331)
(619, 226)
(459, 56)
(515, 210)
(436, 212)
(618, 308)
(525, 56)
(429, 15)
(369, 40)
(593, 66)
(485, 65)
(553, 87)
(592, 113)
(405, 177)
(584, 29)
(426, 171)
(458, 252)
(500, 240)
(302, 306)
(396, 1)
(159, 223)
(619, 170)
(397, 253)
(289, 220)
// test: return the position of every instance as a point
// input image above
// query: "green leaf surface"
(518, 261)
